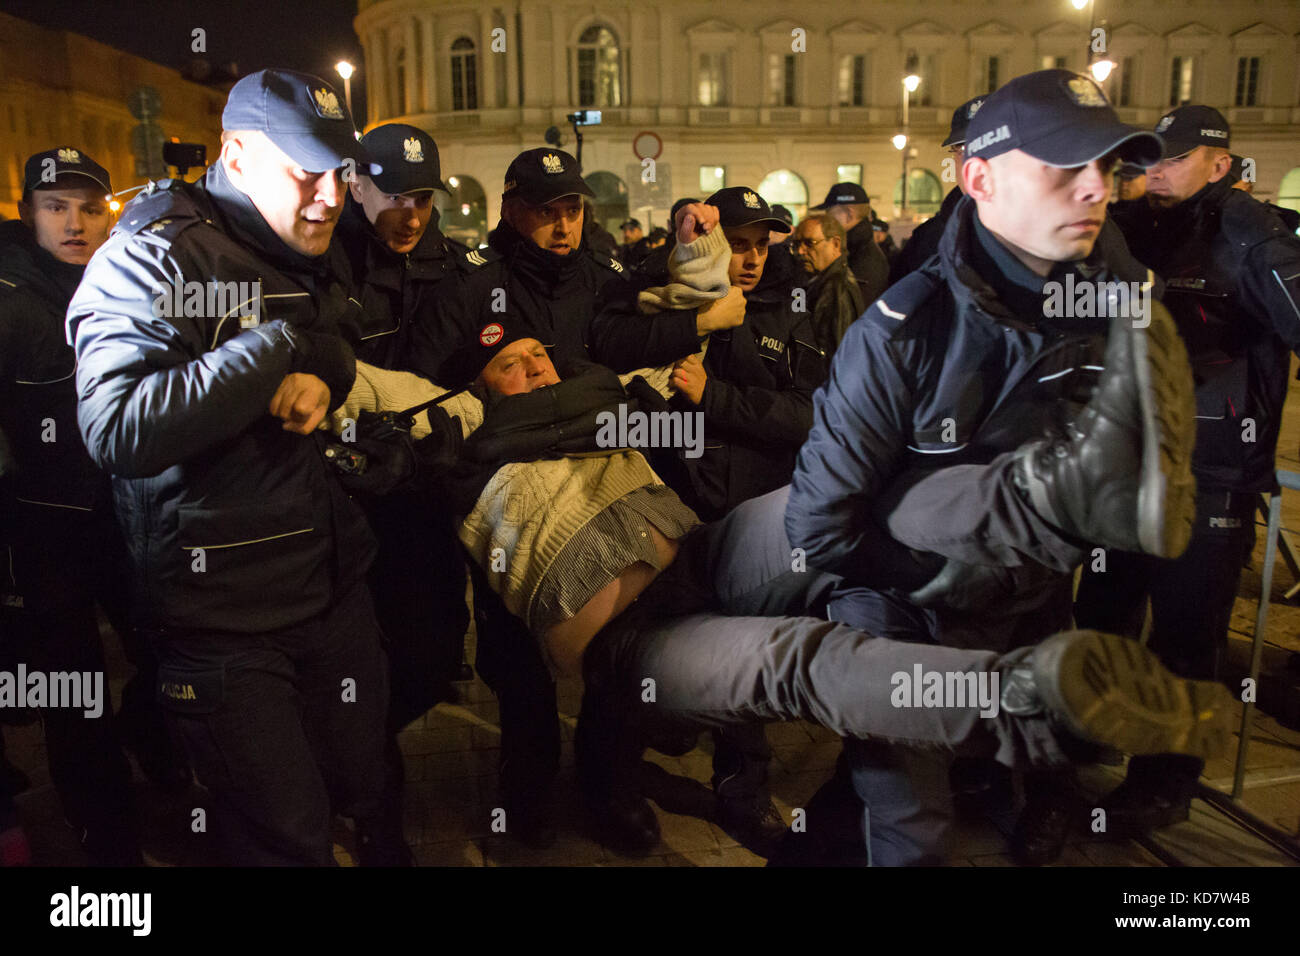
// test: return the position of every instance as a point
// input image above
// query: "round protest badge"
(491, 334)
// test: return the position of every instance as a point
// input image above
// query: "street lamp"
(345, 70)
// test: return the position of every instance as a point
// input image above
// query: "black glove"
(325, 355)
(977, 588)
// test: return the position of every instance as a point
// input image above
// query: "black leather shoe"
(1122, 475)
(752, 822)
(1133, 809)
(1042, 828)
(1110, 690)
(627, 825)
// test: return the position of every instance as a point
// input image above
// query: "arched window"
(924, 192)
(610, 201)
(464, 75)
(399, 90)
(463, 214)
(1288, 193)
(598, 68)
(787, 188)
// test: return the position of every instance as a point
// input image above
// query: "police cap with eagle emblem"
(1191, 125)
(1060, 118)
(302, 115)
(742, 206)
(961, 118)
(56, 169)
(409, 157)
(538, 176)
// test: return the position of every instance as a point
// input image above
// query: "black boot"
(1051, 808)
(1157, 792)
(1105, 689)
(1122, 476)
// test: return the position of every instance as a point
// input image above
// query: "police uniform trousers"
(283, 727)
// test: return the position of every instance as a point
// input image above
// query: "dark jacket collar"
(540, 269)
(991, 280)
(25, 263)
(834, 272)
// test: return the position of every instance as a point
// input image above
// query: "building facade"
(792, 99)
(60, 88)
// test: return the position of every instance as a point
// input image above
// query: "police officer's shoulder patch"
(164, 210)
(615, 264)
(901, 301)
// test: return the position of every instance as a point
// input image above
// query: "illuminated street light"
(1101, 69)
(911, 81)
(453, 182)
(345, 70)
(899, 141)
(1078, 4)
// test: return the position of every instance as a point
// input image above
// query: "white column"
(487, 91)
(412, 66)
(429, 68)
(376, 64)
(513, 50)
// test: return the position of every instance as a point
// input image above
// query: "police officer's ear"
(359, 187)
(237, 150)
(1222, 164)
(977, 178)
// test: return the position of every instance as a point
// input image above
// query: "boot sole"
(1112, 690)
(1167, 490)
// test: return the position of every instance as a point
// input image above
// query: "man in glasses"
(818, 243)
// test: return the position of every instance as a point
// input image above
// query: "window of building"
(610, 203)
(851, 173)
(711, 82)
(852, 80)
(786, 187)
(598, 68)
(1247, 80)
(780, 79)
(1122, 86)
(1055, 63)
(399, 91)
(464, 75)
(1180, 80)
(924, 192)
(712, 178)
(1288, 192)
(462, 213)
(992, 70)
(926, 67)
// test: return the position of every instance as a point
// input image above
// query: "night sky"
(310, 36)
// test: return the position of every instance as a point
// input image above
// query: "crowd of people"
(867, 469)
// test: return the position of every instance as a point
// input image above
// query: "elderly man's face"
(1172, 180)
(814, 250)
(400, 221)
(301, 206)
(70, 223)
(1044, 213)
(520, 367)
(555, 227)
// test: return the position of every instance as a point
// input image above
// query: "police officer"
(1233, 285)
(546, 279)
(755, 382)
(924, 241)
(851, 207)
(64, 553)
(634, 247)
(968, 343)
(398, 258)
(212, 337)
